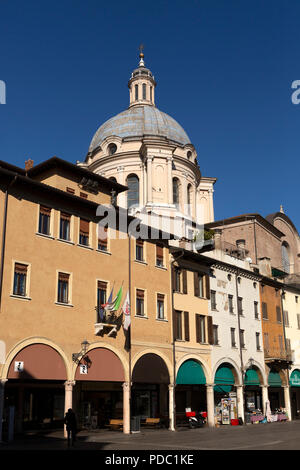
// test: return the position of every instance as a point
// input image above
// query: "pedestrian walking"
(71, 424)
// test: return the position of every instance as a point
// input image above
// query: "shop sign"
(83, 369)
(19, 366)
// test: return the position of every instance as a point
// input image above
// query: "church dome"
(141, 121)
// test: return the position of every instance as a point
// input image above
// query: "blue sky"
(224, 70)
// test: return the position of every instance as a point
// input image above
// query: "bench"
(152, 422)
(115, 424)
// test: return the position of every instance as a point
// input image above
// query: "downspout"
(173, 338)
(4, 236)
(239, 327)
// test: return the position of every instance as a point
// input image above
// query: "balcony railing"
(278, 353)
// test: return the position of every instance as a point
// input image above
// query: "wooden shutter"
(207, 286)
(173, 279)
(196, 284)
(20, 268)
(186, 326)
(210, 330)
(198, 331)
(175, 324)
(184, 281)
(84, 226)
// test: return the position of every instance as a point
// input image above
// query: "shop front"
(98, 392)
(190, 390)
(275, 391)
(150, 393)
(225, 396)
(252, 392)
(295, 393)
(35, 389)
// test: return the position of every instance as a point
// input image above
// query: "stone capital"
(69, 384)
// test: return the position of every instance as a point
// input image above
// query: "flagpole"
(129, 332)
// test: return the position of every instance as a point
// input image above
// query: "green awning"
(190, 373)
(274, 379)
(224, 380)
(251, 377)
(295, 378)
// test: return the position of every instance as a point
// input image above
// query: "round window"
(112, 148)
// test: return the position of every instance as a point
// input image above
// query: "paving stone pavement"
(271, 436)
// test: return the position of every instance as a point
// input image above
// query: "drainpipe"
(239, 336)
(4, 235)
(173, 338)
(287, 367)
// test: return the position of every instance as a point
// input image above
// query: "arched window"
(176, 191)
(189, 198)
(285, 257)
(136, 88)
(151, 94)
(144, 91)
(133, 194)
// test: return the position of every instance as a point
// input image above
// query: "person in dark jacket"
(71, 424)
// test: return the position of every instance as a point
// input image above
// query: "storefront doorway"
(225, 395)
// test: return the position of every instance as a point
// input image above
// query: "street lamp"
(84, 347)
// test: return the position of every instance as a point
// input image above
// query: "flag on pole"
(112, 305)
(126, 311)
(127, 321)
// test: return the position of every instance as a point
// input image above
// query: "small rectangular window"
(264, 307)
(102, 239)
(278, 314)
(160, 306)
(230, 303)
(240, 305)
(63, 288)
(64, 226)
(232, 333)
(200, 329)
(242, 338)
(101, 300)
(159, 255)
(213, 300)
(286, 318)
(140, 305)
(44, 220)
(215, 335)
(176, 280)
(298, 320)
(136, 88)
(178, 325)
(144, 91)
(256, 314)
(139, 250)
(20, 277)
(84, 232)
(257, 335)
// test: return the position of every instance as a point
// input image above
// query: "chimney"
(264, 265)
(218, 239)
(28, 164)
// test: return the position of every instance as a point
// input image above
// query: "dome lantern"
(141, 85)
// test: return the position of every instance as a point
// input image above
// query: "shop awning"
(190, 373)
(274, 379)
(295, 378)
(224, 380)
(251, 378)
